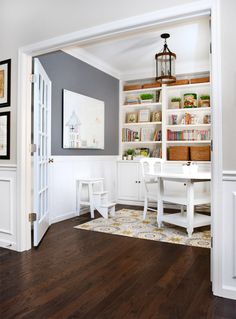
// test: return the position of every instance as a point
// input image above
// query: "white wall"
(29, 21)
(63, 174)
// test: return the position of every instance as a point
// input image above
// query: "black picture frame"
(8, 93)
(7, 155)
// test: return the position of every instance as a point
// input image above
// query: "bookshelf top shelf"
(188, 86)
(143, 90)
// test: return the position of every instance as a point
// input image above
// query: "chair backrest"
(151, 165)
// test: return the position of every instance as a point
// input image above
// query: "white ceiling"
(133, 54)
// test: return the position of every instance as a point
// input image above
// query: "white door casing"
(42, 133)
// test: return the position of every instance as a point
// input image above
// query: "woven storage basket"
(200, 153)
(178, 153)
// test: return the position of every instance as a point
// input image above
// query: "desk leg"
(190, 208)
(160, 202)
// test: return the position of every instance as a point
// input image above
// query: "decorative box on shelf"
(178, 153)
(200, 153)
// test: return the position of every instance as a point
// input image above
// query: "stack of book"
(188, 135)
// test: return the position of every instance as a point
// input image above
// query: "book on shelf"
(188, 135)
(130, 135)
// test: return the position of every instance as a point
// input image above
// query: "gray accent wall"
(67, 72)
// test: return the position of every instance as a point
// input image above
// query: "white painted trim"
(8, 244)
(9, 167)
(23, 200)
(234, 234)
(217, 184)
(69, 215)
(229, 175)
(89, 58)
(11, 204)
(62, 217)
(76, 158)
(108, 30)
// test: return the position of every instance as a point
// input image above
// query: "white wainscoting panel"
(229, 233)
(8, 206)
(64, 172)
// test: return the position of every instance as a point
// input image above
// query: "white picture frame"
(144, 116)
(83, 121)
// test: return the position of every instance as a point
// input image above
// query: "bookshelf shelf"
(143, 142)
(188, 126)
(190, 110)
(139, 105)
(141, 124)
(189, 142)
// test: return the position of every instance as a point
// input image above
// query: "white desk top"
(206, 176)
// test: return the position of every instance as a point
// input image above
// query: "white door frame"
(107, 30)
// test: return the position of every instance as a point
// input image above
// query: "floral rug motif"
(127, 222)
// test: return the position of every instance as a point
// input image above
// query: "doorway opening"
(215, 184)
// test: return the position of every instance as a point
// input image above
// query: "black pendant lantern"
(165, 63)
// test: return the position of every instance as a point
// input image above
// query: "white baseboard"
(8, 244)
(68, 215)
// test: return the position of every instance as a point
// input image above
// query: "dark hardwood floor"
(83, 274)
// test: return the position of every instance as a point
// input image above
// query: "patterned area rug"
(130, 223)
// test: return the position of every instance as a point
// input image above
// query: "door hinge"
(33, 148)
(211, 146)
(210, 48)
(32, 217)
(33, 78)
(211, 242)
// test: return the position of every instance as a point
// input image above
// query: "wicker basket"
(178, 153)
(200, 153)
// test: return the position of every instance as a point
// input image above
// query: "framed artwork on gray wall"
(5, 83)
(83, 121)
(5, 135)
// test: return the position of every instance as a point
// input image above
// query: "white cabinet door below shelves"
(128, 177)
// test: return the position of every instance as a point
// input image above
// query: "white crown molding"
(91, 59)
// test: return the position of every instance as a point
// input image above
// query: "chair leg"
(145, 207)
(91, 200)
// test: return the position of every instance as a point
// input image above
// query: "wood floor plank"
(83, 274)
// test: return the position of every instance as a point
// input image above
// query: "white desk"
(189, 220)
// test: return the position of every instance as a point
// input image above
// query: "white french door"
(42, 140)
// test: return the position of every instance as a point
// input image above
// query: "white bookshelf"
(166, 93)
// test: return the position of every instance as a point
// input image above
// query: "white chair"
(150, 165)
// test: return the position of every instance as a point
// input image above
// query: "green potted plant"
(130, 153)
(176, 103)
(204, 101)
(146, 97)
